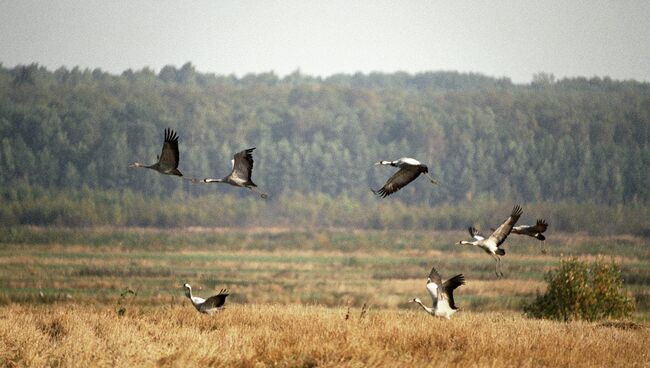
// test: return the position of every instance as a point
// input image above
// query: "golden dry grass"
(258, 335)
(59, 291)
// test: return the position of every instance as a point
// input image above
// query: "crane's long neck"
(384, 162)
(188, 293)
(465, 242)
(138, 164)
(427, 309)
(207, 180)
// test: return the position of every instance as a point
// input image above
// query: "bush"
(580, 290)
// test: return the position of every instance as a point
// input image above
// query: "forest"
(575, 150)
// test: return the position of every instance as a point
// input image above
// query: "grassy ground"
(253, 335)
(327, 267)
(290, 290)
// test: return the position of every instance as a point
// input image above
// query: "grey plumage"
(442, 294)
(210, 305)
(448, 287)
(409, 170)
(492, 244)
(217, 301)
(532, 230)
(169, 156)
(241, 173)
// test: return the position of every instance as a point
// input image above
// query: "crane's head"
(136, 164)
(415, 300)
(384, 162)
(188, 290)
(464, 242)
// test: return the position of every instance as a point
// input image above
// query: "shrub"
(580, 290)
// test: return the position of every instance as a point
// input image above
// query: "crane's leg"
(263, 195)
(500, 272)
(433, 181)
(496, 264)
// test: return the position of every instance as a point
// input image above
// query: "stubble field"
(252, 335)
(290, 294)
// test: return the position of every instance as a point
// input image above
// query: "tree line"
(580, 140)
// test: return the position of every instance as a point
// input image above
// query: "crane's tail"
(500, 252)
(540, 236)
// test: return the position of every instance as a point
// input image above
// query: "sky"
(514, 38)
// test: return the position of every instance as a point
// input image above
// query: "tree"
(579, 290)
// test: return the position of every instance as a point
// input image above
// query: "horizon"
(320, 77)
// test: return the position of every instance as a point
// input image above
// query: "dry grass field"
(290, 291)
(256, 335)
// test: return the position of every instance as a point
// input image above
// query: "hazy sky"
(515, 39)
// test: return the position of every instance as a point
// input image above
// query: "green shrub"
(580, 290)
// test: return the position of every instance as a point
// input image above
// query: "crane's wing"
(501, 233)
(447, 289)
(474, 233)
(218, 300)
(432, 288)
(532, 230)
(540, 226)
(242, 167)
(433, 282)
(169, 156)
(434, 276)
(398, 181)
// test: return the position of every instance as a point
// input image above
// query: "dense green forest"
(574, 141)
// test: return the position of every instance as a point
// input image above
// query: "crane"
(410, 169)
(168, 159)
(491, 244)
(442, 294)
(212, 304)
(240, 175)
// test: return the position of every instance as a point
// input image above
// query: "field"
(290, 293)
(250, 335)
